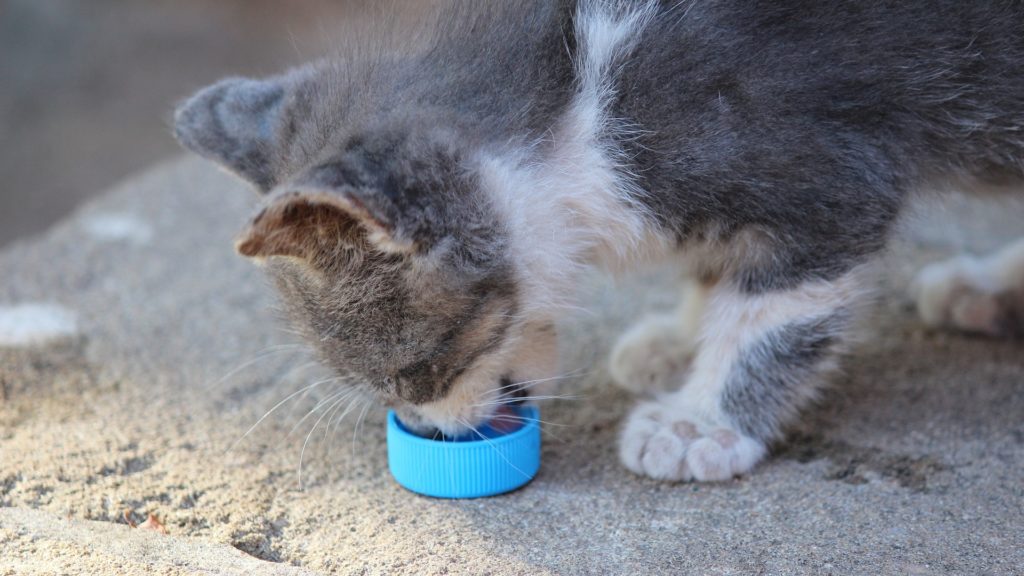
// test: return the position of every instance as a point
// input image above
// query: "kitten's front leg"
(762, 358)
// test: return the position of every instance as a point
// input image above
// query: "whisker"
(302, 452)
(578, 309)
(530, 383)
(519, 399)
(315, 363)
(290, 331)
(352, 403)
(330, 397)
(335, 410)
(271, 411)
(537, 420)
(262, 355)
(491, 444)
(577, 373)
(355, 432)
(545, 426)
(496, 396)
(550, 397)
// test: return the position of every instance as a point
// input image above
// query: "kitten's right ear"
(311, 227)
(319, 227)
(234, 122)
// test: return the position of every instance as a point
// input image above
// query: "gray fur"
(231, 122)
(471, 83)
(775, 376)
(388, 132)
(802, 125)
(407, 323)
(393, 327)
(811, 121)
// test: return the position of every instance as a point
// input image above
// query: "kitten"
(428, 213)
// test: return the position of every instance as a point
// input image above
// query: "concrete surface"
(913, 465)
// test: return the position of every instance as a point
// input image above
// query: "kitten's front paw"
(666, 445)
(652, 355)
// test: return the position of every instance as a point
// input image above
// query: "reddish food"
(506, 420)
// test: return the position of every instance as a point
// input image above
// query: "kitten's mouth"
(511, 395)
(506, 419)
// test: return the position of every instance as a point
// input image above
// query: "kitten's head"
(389, 254)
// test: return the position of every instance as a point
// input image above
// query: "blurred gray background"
(87, 86)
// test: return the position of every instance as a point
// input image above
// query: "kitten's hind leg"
(657, 351)
(762, 358)
(976, 295)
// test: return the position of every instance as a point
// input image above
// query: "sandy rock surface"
(163, 350)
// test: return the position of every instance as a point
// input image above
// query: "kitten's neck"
(568, 200)
(568, 208)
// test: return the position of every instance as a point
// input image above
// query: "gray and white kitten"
(428, 213)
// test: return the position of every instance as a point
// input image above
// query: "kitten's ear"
(390, 195)
(315, 226)
(234, 122)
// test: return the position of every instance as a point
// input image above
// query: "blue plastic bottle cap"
(481, 464)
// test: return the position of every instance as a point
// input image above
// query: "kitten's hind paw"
(665, 445)
(979, 296)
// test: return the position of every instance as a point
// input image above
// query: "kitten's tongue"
(506, 420)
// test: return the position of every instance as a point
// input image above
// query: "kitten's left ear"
(235, 123)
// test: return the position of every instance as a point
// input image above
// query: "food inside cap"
(506, 420)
